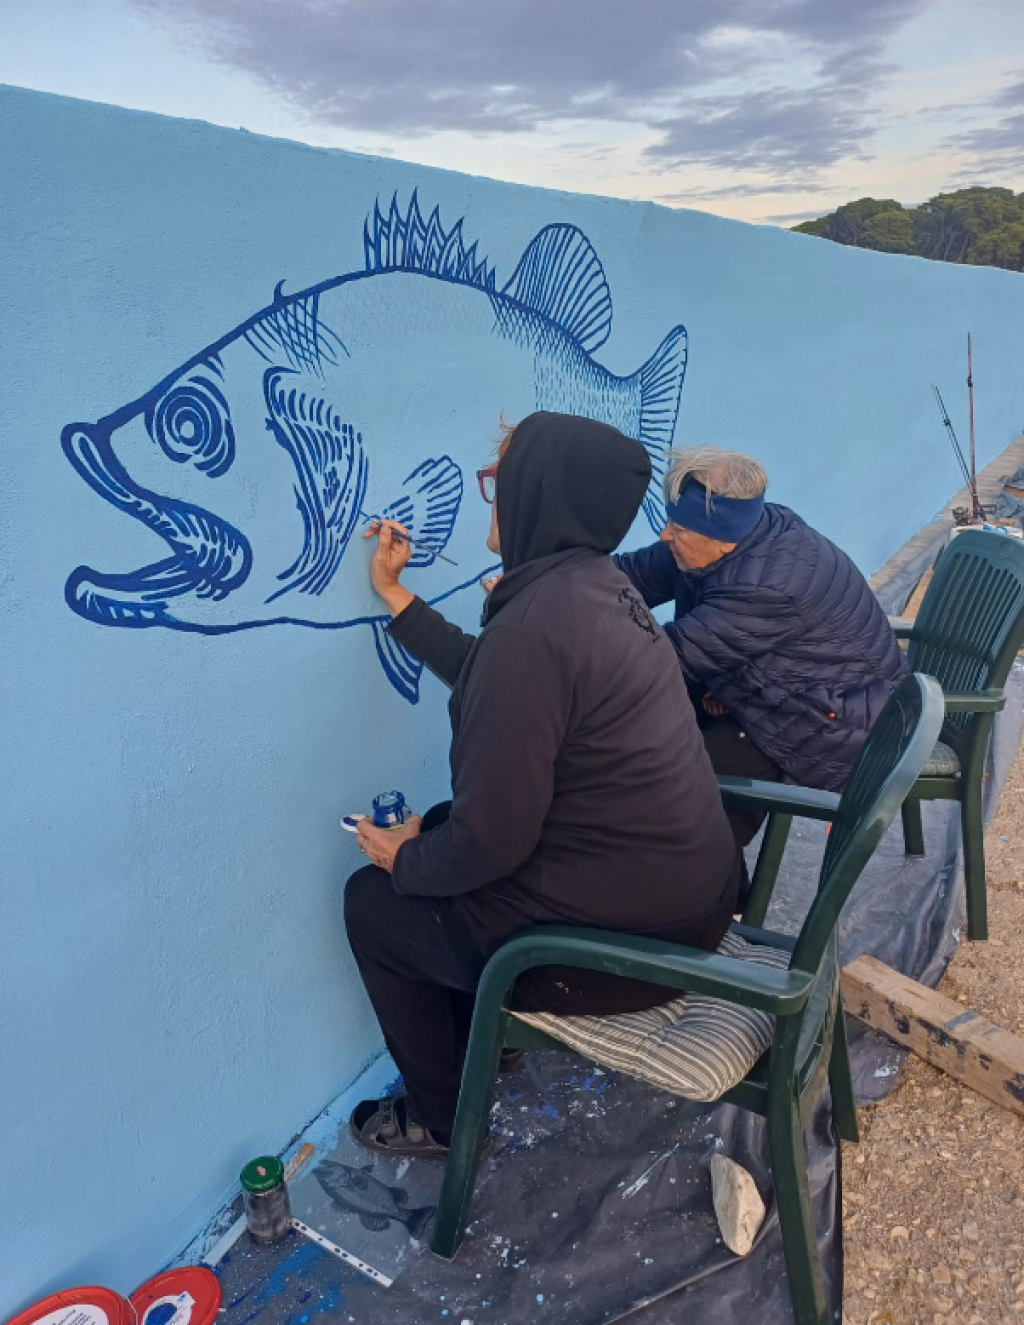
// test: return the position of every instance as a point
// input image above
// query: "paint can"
(267, 1209)
(390, 810)
(83, 1306)
(189, 1295)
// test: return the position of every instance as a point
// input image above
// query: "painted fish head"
(242, 464)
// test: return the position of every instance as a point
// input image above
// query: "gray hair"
(727, 473)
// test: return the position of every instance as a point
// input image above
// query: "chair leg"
(478, 1074)
(973, 829)
(913, 828)
(796, 1219)
(840, 1080)
(769, 858)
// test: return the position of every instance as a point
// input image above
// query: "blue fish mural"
(258, 460)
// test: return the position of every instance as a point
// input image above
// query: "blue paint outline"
(559, 284)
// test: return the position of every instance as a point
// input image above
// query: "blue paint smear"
(602, 1083)
(332, 1301)
(302, 1259)
(547, 1110)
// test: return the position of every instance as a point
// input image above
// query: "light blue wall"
(175, 990)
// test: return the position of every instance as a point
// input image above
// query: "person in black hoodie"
(581, 789)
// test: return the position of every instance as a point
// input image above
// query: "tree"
(1001, 247)
(981, 226)
(889, 232)
(846, 225)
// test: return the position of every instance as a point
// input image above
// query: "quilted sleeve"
(730, 629)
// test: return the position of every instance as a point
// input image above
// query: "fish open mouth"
(209, 557)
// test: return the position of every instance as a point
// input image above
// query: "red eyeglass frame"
(482, 475)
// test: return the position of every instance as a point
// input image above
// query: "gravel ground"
(933, 1204)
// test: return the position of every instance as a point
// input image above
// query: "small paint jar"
(268, 1212)
(390, 810)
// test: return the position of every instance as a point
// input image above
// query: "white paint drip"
(644, 1177)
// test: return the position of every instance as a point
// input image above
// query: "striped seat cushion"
(694, 1046)
(942, 763)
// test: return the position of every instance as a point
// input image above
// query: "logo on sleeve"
(638, 612)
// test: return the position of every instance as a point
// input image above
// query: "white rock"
(738, 1205)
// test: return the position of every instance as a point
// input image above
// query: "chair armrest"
(803, 802)
(981, 701)
(902, 627)
(668, 964)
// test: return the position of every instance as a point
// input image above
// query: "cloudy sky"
(766, 110)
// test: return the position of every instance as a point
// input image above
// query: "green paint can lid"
(262, 1174)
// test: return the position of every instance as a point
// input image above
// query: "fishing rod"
(975, 503)
(957, 448)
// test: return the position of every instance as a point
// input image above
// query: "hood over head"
(565, 483)
(566, 488)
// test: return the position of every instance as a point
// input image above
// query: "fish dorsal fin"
(397, 242)
(561, 277)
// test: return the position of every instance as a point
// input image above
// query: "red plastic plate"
(90, 1305)
(189, 1295)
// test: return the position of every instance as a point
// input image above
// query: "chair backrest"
(897, 748)
(971, 622)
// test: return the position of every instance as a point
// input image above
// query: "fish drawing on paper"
(377, 1205)
(258, 461)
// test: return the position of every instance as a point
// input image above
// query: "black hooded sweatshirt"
(582, 792)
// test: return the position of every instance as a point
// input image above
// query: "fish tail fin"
(428, 506)
(417, 1220)
(661, 383)
(400, 667)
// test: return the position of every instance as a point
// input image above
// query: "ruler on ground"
(341, 1253)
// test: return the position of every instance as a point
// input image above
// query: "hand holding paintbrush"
(390, 557)
(399, 531)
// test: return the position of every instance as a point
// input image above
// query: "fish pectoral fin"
(400, 667)
(661, 383)
(561, 277)
(428, 506)
(375, 1223)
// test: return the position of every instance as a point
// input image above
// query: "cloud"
(748, 188)
(777, 130)
(1000, 145)
(792, 218)
(734, 83)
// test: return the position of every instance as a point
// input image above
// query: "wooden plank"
(963, 1044)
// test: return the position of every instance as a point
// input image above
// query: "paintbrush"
(395, 533)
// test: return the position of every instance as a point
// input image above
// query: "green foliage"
(981, 226)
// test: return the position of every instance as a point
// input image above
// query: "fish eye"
(191, 423)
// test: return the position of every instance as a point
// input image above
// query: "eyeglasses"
(487, 479)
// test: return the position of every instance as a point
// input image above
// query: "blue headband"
(730, 520)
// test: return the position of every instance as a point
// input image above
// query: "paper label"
(80, 1314)
(174, 1310)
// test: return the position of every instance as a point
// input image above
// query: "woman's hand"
(381, 844)
(390, 558)
(489, 583)
(712, 707)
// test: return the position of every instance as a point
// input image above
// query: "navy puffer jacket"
(786, 634)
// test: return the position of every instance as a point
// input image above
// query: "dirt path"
(934, 1194)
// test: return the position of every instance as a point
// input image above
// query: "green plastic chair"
(967, 633)
(809, 1040)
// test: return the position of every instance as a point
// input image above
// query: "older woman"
(787, 654)
(581, 791)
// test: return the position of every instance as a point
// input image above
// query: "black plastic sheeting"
(594, 1205)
